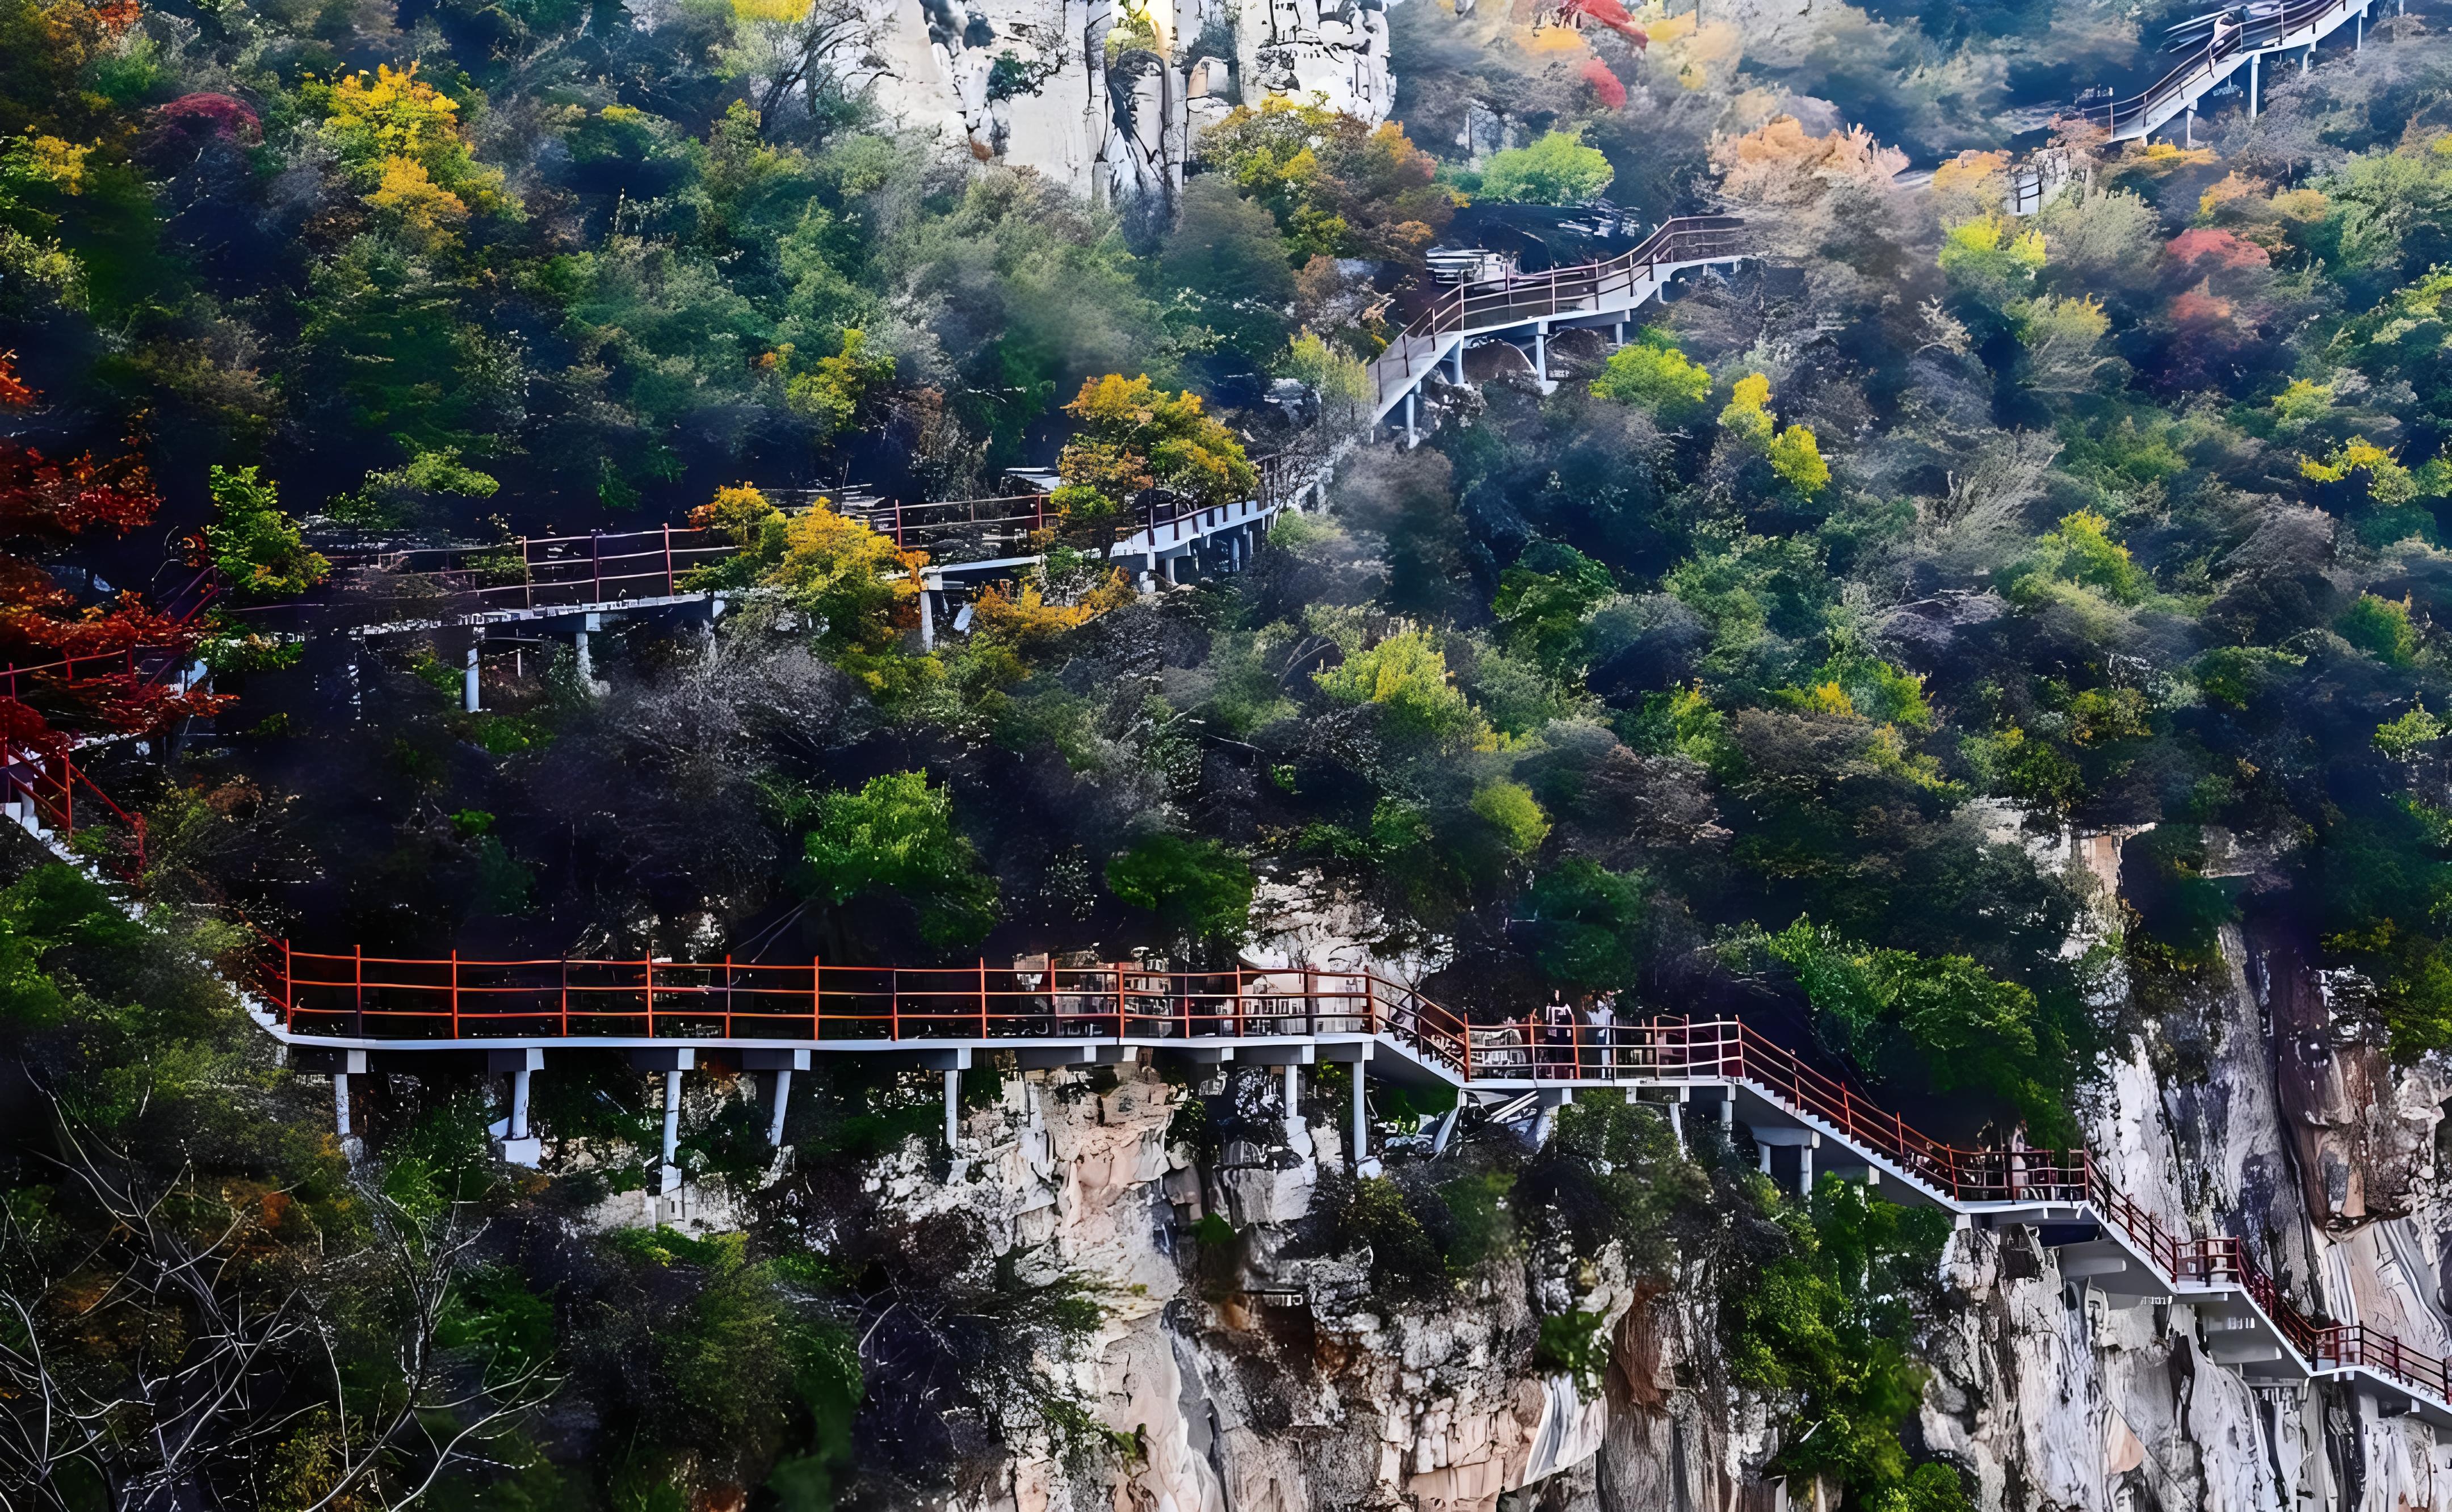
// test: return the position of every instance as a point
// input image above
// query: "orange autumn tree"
(47, 504)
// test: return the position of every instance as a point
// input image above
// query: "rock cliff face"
(1107, 98)
(2255, 1103)
(1268, 1375)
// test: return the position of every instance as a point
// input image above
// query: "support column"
(1293, 1093)
(1804, 1170)
(1728, 1112)
(927, 615)
(469, 700)
(2254, 60)
(2358, 35)
(782, 1100)
(1764, 1151)
(520, 1103)
(586, 664)
(1541, 352)
(1361, 1121)
(1457, 362)
(341, 1105)
(672, 1062)
(953, 1107)
(1447, 1129)
(672, 1127)
(1412, 436)
(2307, 60)
(2188, 131)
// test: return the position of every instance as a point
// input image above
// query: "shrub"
(1653, 375)
(1556, 169)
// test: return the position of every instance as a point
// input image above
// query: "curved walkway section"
(776, 1016)
(1586, 294)
(2261, 30)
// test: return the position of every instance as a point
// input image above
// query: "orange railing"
(1489, 304)
(375, 998)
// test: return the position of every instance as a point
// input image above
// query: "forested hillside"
(1798, 658)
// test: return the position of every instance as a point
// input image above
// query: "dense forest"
(1758, 665)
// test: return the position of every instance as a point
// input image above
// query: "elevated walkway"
(345, 1013)
(1514, 305)
(564, 582)
(2241, 39)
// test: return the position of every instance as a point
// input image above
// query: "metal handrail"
(2218, 56)
(1490, 303)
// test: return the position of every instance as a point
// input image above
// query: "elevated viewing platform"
(350, 1013)
(1518, 306)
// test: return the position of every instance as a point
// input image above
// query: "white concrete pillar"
(672, 1116)
(2253, 60)
(519, 1104)
(341, 1105)
(1458, 361)
(1764, 1151)
(2188, 128)
(1540, 353)
(1412, 436)
(1677, 1122)
(953, 1107)
(927, 615)
(1727, 1110)
(1361, 1118)
(1292, 1093)
(1447, 1129)
(468, 701)
(782, 1099)
(586, 664)
(1804, 1170)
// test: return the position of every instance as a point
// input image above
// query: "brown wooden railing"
(2221, 54)
(1583, 288)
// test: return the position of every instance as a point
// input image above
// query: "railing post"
(647, 966)
(984, 997)
(358, 972)
(816, 997)
(669, 589)
(894, 1000)
(455, 994)
(566, 997)
(289, 987)
(596, 566)
(727, 956)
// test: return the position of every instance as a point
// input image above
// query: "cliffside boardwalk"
(340, 1014)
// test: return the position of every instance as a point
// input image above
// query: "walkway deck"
(2268, 29)
(354, 1006)
(1586, 294)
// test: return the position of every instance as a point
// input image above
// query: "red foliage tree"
(71, 667)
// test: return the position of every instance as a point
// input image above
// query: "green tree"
(258, 549)
(1198, 886)
(895, 836)
(831, 396)
(1407, 676)
(1557, 168)
(1588, 922)
(1653, 376)
(1226, 254)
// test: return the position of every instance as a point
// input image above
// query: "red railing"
(1583, 288)
(452, 998)
(52, 784)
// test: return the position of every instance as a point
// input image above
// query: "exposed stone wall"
(1034, 84)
